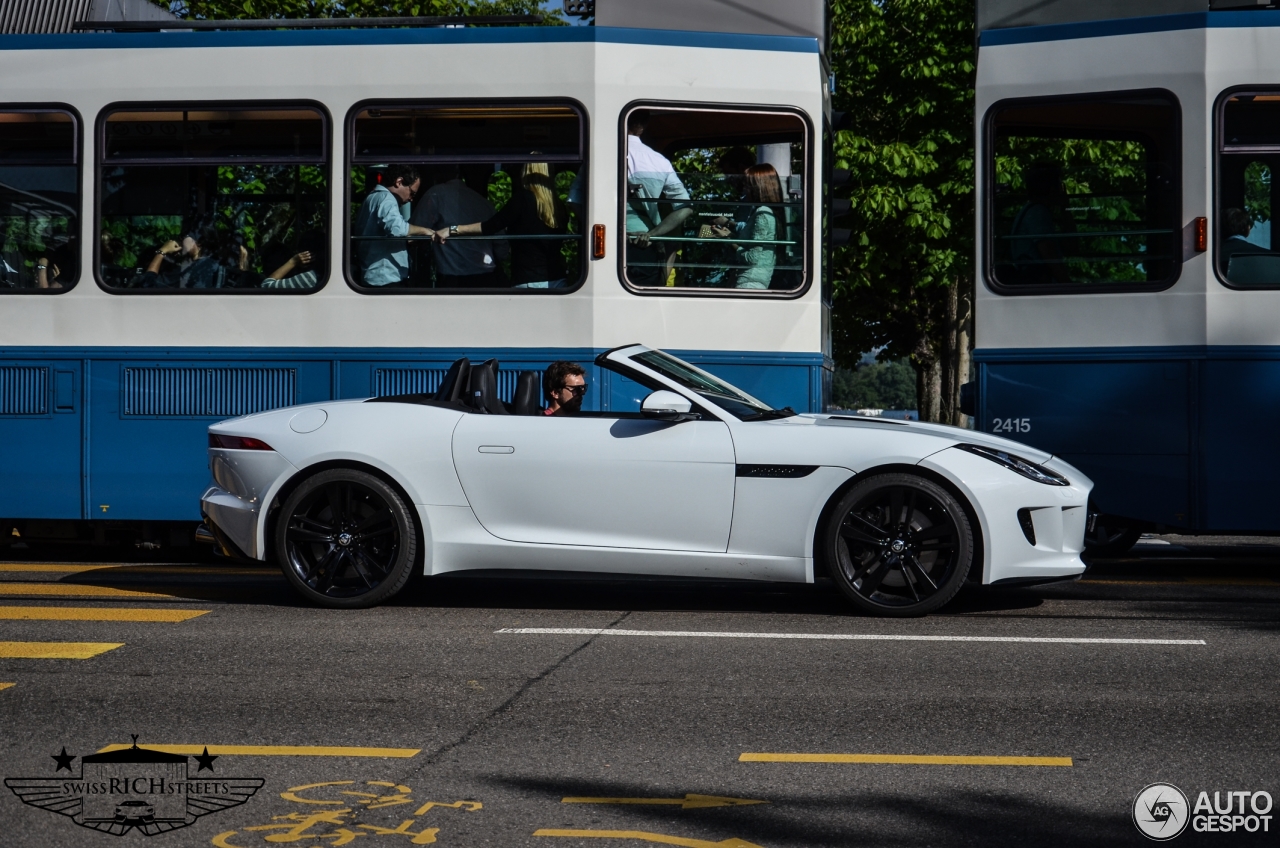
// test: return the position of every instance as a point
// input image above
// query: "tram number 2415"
(1011, 425)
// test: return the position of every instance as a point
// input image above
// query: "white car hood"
(955, 434)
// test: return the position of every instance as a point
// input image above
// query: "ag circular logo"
(1160, 811)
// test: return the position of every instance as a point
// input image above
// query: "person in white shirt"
(650, 179)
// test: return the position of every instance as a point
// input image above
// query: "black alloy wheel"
(899, 545)
(346, 539)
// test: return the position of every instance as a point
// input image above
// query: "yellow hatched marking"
(67, 590)
(272, 750)
(6, 685)
(55, 650)
(905, 759)
(96, 614)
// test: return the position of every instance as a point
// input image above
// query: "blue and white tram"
(183, 240)
(1128, 314)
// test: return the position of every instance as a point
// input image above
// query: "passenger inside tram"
(1040, 260)
(533, 210)
(450, 202)
(732, 186)
(210, 199)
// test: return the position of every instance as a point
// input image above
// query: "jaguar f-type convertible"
(354, 497)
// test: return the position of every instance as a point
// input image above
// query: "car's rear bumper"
(233, 522)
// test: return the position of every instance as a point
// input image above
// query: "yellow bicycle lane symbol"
(351, 821)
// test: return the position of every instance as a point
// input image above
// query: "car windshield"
(731, 399)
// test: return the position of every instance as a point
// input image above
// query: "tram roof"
(408, 35)
(1026, 21)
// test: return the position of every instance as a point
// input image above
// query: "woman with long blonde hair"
(535, 209)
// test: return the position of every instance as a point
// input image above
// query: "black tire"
(346, 539)
(898, 545)
(1111, 536)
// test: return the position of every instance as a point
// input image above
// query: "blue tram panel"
(1125, 424)
(1239, 446)
(41, 466)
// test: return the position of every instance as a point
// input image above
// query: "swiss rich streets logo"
(134, 788)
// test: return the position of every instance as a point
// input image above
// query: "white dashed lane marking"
(838, 637)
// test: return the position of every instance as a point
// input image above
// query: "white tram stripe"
(843, 637)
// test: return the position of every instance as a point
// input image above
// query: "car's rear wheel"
(346, 539)
(899, 545)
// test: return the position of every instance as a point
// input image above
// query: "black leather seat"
(453, 387)
(528, 399)
(482, 389)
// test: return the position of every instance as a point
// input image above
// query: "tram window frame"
(809, 223)
(987, 211)
(1220, 151)
(100, 164)
(77, 161)
(351, 160)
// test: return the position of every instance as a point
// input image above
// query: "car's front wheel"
(899, 545)
(346, 539)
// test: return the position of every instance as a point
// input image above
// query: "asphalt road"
(494, 732)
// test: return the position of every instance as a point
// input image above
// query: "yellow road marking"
(643, 836)
(272, 750)
(6, 685)
(905, 759)
(55, 650)
(81, 568)
(70, 590)
(688, 802)
(96, 614)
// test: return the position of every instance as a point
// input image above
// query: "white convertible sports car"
(353, 497)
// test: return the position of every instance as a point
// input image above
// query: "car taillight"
(237, 442)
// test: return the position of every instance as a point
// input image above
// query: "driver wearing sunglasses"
(564, 384)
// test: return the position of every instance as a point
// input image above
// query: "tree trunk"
(964, 359)
(928, 380)
(949, 401)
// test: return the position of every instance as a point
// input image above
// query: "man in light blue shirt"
(383, 257)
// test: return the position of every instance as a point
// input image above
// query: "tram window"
(39, 201)
(1084, 194)
(510, 176)
(715, 200)
(1248, 154)
(198, 198)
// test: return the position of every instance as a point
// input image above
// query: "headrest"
(482, 390)
(453, 387)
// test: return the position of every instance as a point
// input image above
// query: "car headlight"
(1017, 464)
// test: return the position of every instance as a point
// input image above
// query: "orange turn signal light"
(597, 241)
(1202, 234)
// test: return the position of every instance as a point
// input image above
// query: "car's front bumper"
(1057, 513)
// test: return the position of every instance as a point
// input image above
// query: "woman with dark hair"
(756, 262)
(199, 268)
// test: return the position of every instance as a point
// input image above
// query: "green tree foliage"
(904, 71)
(261, 9)
(875, 385)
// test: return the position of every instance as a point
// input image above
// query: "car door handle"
(497, 449)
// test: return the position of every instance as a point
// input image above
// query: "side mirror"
(668, 406)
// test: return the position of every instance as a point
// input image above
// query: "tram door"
(41, 472)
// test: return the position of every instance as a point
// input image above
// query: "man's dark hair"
(1235, 222)
(407, 174)
(553, 379)
(637, 121)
